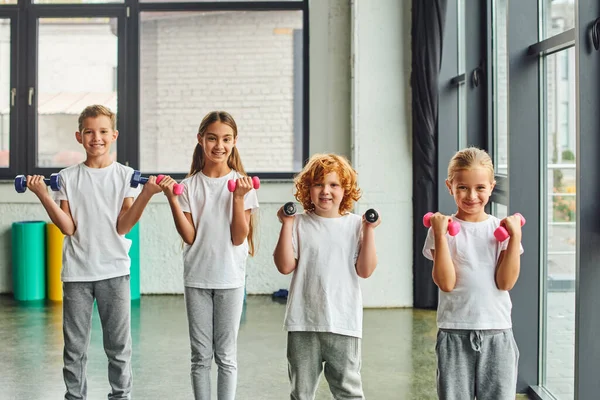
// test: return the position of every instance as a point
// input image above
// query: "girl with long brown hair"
(216, 226)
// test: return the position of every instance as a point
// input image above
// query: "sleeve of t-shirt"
(295, 236)
(429, 245)
(251, 201)
(184, 198)
(60, 194)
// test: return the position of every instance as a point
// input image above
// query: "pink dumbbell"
(231, 184)
(501, 234)
(177, 188)
(453, 226)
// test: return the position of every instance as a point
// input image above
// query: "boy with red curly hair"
(328, 248)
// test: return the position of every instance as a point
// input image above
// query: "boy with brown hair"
(94, 209)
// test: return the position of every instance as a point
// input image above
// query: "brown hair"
(234, 161)
(470, 158)
(95, 111)
(314, 172)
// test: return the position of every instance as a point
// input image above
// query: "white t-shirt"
(95, 251)
(475, 303)
(212, 261)
(325, 294)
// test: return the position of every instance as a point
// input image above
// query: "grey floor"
(398, 352)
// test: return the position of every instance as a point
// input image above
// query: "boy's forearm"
(367, 258)
(510, 267)
(239, 224)
(284, 251)
(444, 274)
(62, 220)
(182, 224)
(133, 215)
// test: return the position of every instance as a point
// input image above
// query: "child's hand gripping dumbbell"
(453, 226)
(289, 208)
(501, 233)
(232, 184)
(21, 183)
(286, 211)
(138, 179)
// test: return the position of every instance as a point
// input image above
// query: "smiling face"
(327, 196)
(218, 142)
(96, 136)
(471, 189)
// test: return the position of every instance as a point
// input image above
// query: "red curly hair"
(314, 172)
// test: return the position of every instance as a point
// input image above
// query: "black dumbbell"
(289, 209)
(21, 183)
(371, 215)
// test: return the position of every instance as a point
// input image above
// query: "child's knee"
(200, 360)
(226, 360)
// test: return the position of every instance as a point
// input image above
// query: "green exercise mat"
(29, 260)
(134, 254)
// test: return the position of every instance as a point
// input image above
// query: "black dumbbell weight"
(289, 209)
(371, 215)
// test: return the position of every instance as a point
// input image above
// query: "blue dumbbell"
(289, 209)
(137, 179)
(371, 215)
(21, 183)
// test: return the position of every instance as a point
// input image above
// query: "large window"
(559, 216)
(558, 321)
(5, 101)
(461, 67)
(161, 70)
(500, 85)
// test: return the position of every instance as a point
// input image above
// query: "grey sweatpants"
(214, 321)
(113, 298)
(306, 353)
(476, 364)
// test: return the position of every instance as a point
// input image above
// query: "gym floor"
(398, 352)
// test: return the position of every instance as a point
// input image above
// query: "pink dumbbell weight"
(453, 226)
(231, 184)
(177, 188)
(501, 234)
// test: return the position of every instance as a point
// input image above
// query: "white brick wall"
(76, 57)
(240, 62)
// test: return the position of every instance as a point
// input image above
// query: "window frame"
(23, 129)
(11, 12)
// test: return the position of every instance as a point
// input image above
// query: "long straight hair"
(234, 161)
